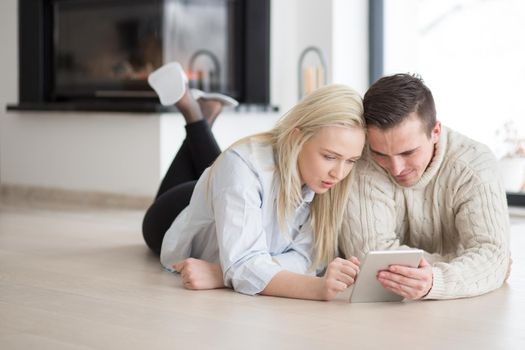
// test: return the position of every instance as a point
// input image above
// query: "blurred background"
(79, 119)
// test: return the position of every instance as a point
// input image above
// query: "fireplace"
(96, 53)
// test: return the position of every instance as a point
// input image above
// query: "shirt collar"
(308, 194)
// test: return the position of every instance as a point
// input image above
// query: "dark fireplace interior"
(97, 54)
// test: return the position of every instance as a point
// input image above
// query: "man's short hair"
(391, 99)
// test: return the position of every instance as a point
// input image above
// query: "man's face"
(404, 151)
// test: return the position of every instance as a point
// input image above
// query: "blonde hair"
(332, 105)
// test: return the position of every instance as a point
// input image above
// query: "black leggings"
(198, 151)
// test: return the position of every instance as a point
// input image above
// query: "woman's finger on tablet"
(354, 260)
(351, 271)
(350, 264)
(337, 286)
(339, 270)
(347, 279)
(332, 286)
(339, 264)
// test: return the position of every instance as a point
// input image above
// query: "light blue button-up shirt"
(233, 222)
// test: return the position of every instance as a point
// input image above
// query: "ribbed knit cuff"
(438, 285)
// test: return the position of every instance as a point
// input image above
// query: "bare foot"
(210, 109)
(189, 108)
(199, 274)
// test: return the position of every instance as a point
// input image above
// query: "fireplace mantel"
(102, 106)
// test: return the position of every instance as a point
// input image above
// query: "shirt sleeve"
(237, 205)
(297, 257)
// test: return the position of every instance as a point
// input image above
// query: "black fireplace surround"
(96, 54)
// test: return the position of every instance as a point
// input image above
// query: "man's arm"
(483, 257)
(375, 221)
(482, 262)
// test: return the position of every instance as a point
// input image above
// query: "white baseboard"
(517, 212)
(17, 194)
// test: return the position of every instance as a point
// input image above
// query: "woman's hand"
(340, 274)
(199, 274)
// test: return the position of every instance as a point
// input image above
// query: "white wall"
(349, 58)
(8, 66)
(126, 153)
(283, 53)
(338, 27)
(81, 151)
(470, 54)
(228, 128)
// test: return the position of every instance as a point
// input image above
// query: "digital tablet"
(367, 288)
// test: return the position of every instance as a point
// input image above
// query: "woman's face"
(329, 155)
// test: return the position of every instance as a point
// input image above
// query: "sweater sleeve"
(482, 258)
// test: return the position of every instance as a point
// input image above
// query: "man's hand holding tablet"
(392, 275)
(411, 283)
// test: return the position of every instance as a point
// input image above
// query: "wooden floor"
(83, 279)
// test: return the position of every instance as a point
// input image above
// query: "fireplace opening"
(102, 51)
(104, 48)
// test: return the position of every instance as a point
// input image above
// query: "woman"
(266, 214)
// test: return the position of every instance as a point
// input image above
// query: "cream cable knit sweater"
(457, 213)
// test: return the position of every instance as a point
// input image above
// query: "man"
(425, 186)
